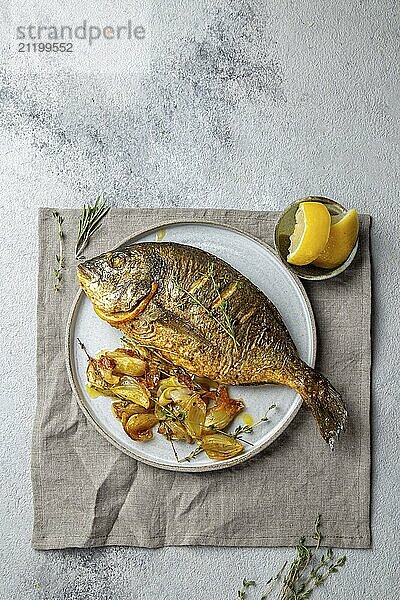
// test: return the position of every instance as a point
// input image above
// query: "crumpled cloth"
(87, 493)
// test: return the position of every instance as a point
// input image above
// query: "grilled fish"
(203, 315)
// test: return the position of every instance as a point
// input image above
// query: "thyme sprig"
(83, 347)
(302, 561)
(192, 455)
(174, 450)
(305, 573)
(246, 583)
(241, 429)
(230, 435)
(178, 415)
(89, 222)
(60, 255)
(235, 435)
(273, 582)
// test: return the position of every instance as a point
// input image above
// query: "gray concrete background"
(239, 104)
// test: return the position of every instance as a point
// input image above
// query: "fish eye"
(117, 261)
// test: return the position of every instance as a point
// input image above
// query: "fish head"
(116, 282)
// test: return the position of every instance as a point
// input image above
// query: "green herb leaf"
(308, 571)
(225, 322)
(60, 254)
(246, 583)
(160, 235)
(90, 221)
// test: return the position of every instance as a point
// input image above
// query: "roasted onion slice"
(130, 389)
(139, 427)
(126, 362)
(223, 412)
(220, 446)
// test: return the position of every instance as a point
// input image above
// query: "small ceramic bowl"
(284, 229)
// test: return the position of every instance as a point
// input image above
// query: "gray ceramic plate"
(261, 265)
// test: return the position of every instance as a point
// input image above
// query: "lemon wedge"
(342, 237)
(310, 234)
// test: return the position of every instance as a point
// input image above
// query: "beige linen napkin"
(87, 493)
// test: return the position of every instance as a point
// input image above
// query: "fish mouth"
(84, 275)
(86, 278)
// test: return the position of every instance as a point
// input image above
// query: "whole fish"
(203, 315)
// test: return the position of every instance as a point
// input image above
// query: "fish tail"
(324, 402)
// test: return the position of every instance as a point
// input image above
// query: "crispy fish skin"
(203, 315)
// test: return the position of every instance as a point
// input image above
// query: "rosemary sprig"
(246, 583)
(223, 305)
(89, 222)
(195, 300)
(306, 572)
(60, 255)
